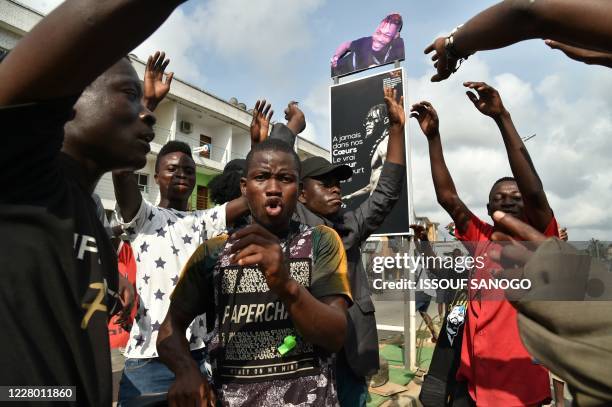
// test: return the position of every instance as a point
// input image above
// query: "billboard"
(383, 47)
(359, 136)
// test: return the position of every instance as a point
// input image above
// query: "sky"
(280, 50)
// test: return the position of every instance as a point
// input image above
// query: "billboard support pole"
(410, 362)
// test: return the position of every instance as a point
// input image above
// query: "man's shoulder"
(363, 44)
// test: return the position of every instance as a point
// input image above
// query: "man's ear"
(155, 178)
(243, 186)
(302, 194)
(489, 211)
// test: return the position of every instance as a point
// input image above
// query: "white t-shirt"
(163, 240)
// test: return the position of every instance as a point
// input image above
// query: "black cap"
(317, 166)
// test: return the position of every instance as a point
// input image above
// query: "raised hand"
(296, 121)
(427, 117)
(260, 124)
(256, 246)
(444, 65)
(587, 56)
(155, 89)
(488, 101)
(395, 109)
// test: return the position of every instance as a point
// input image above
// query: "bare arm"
(70, 47)
(320, 321)
(127, 193)
(236, 209)
(489, 103)
(446, 193)
(341, 50)
(190, 386)
(583, 23)
(397, 119)
(587, 56)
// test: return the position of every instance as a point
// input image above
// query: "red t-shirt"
(119, 337)
(496, 365)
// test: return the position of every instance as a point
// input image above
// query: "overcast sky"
(281, 49)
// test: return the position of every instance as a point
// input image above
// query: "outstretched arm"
(154, 91)
(583, 23)
(489, 103)
(446, 192)
(587, 56)
(70, 47)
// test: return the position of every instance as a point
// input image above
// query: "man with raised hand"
(71, 103)
(581, 29)
(320, 204)
(163, 237)
(495, 365)
(279, 292)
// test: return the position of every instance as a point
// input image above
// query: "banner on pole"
(359, 137)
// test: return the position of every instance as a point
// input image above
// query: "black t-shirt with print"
(58, 269)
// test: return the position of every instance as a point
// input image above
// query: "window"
(202, 197)
(205, 142)
(143, 182)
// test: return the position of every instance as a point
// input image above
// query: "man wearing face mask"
(383, 47)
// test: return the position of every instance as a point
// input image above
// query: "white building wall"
(165, 115)
(241, 143)
(226, 124)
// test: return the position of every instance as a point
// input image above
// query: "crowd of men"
(263, 299)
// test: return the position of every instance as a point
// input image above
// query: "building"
(218, 130)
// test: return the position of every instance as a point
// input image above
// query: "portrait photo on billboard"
(359, 139)
(384, 46)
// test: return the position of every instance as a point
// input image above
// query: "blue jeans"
(352, 389)
(146, 376)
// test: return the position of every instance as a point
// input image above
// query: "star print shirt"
(163, 240)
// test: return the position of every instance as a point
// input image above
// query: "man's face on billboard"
(373, 118)
(384, 34)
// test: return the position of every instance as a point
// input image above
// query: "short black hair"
(396, 19)
(172, 146)
(271, 144)
(225, 187)
(502, 179)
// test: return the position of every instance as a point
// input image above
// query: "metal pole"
(409, 314)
